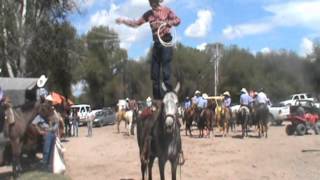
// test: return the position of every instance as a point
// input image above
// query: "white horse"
(127, 117)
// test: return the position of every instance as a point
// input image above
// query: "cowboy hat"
(226, 93)
(49, 98)
(42, 81)
(197, 92)
(243, 90)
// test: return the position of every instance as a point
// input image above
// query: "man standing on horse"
(161, 56)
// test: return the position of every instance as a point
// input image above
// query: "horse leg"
(16, 151)
(174, 164)
(162, 163)
(150, 167)
(143, 169)
(118, 124)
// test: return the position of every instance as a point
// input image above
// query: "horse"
(127, 117)
(160, 135)
(243, 117)
(189, 117)
(217, 116)
(226, 118)
(207, 117)
(16, 122)
(262, 113)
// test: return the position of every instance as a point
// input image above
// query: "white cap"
(42, 81)
(197, 92)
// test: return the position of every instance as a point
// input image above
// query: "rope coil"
(170, 43)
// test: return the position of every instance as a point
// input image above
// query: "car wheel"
(290, 130)
(100, 123)
(301, 129)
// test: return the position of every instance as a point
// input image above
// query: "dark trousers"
(161, 60)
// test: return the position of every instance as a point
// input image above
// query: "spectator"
(89, 123)
(75, 123)
(49, 131)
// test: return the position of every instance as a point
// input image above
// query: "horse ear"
(164, 88)
(177, 87)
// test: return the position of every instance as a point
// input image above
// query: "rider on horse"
(227, 101)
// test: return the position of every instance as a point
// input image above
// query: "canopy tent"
(19, 89)
(59, 99)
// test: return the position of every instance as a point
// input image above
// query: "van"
(83, 111)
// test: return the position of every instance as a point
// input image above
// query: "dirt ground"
(108, 155)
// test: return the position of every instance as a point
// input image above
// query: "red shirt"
(156, 17)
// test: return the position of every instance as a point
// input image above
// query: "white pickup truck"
(293, 98)
(278, 114)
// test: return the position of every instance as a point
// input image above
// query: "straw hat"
(42, 81)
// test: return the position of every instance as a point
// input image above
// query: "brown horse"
(189, 116)
(17, 120)
(207, 117)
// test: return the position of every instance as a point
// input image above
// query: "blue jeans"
(48, 146)
(75, 126)
(161, 58)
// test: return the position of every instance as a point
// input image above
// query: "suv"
(83, 111)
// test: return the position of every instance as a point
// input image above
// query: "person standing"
(161, 55)
(89, 123)
(75, 123)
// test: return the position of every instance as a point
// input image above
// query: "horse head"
(48, 111)
(170, 108)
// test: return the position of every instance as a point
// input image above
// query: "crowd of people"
(245, 99)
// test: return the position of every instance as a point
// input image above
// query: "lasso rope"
(172, 42)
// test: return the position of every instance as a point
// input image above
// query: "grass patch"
(39, 175)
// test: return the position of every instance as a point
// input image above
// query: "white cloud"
(232, 32)
(128, 36)
(306, 47)
(201, 27)
(265, 50)
(288, 14)
(202, 46)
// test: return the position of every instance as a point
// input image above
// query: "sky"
(257, 25)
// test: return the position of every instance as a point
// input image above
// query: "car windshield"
(99, 113)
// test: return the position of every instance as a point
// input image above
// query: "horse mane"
(26, 106)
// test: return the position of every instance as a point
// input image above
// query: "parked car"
(307, 106)
(83, 111)
(293, 98)
(104, 117)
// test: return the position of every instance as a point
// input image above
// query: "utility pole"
(216, 52)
